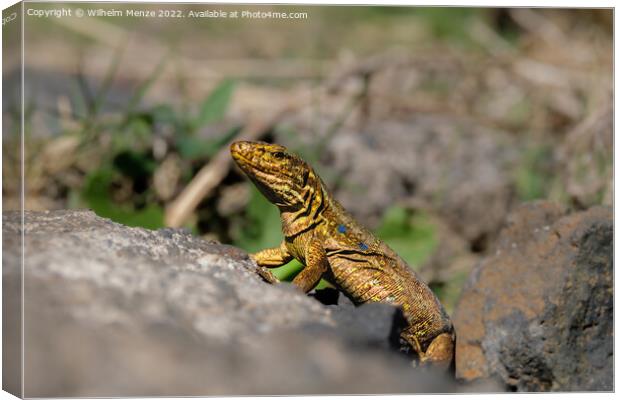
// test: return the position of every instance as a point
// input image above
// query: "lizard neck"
(310, 214)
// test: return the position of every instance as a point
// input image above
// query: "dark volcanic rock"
(372, 324)
(118, 311)
(538, 313)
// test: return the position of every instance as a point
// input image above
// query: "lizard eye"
(279, 154)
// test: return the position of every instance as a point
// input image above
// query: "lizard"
(331, 244)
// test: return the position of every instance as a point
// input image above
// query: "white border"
(470, 3)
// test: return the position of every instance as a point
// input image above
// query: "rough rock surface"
(538, 312)
(118, 311)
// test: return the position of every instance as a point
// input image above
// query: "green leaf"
(214, 107)
(96, 197)
(448, 23)
(191, 147)
(216, 143)
(263, 228)
(108, 79)
(533, 176)
(134, 164)
(411, 235)
(164, 113)
(288, 271)
(145, 86)
(395, 222)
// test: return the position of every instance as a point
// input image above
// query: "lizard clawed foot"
(439, 353)
(264, 272)
(270, 258)
(267, 275)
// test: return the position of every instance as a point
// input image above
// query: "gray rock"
(371, 325)
(538, 312)
(116, 311)
(452, 167)
(374, 325)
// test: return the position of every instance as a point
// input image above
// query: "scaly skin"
(332, 245)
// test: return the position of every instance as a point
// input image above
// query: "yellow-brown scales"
(332, 245)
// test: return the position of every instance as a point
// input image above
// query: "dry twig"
(212, 174)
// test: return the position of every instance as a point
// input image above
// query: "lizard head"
(281, 176)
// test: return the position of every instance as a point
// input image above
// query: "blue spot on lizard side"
(342, 228)
(362, 246)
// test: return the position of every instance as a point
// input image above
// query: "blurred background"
(428, 124)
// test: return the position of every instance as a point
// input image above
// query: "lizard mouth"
(249, 165)
(241, 159)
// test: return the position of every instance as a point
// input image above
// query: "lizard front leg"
(316, 265)
(271, 258)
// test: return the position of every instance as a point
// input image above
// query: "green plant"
(120, 187)
(533, 176)
(96, 194)
(410, 234)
